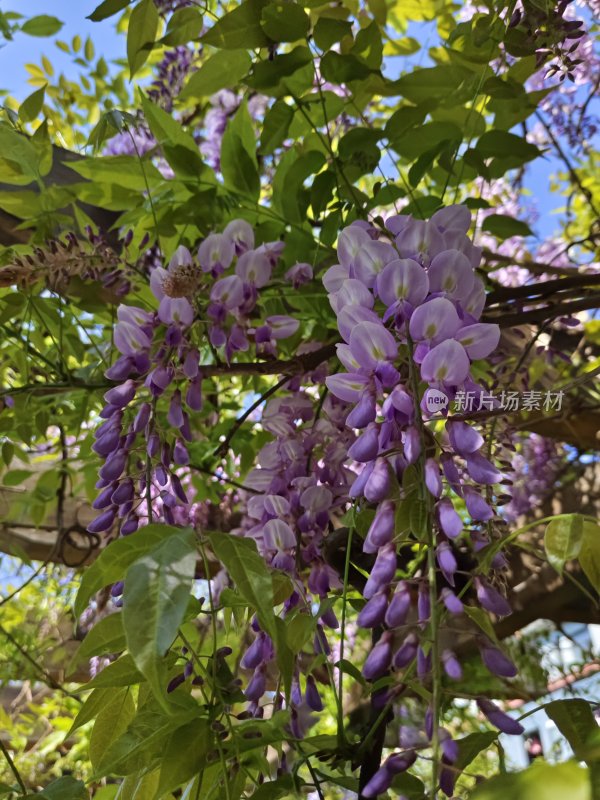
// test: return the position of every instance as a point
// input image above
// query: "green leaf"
(114, 560)
(15, 477)
(157, 590)
(288, 185)
(107, 9)
(275, 127)
(43, 25)
(423, 163)
(285, 22)
(541, 781)
(253, 581)
(562, 540)
(431, 83)
(179, 147)
(65, 788)
(369, 45)
(248, 571)
(503, 227)
(122, 672)
(482, 620)
(501, 144)
(575, 720)
(285, 786)
(184, 755)
(289, 73)
(223, 69)
(141, 34)
(403, 119)
(589, 554)
(329, 31)
(185, 25)
(92, 706)
(413, 144)
(107, 636)
(32, 105)
(238, 154)
(110, 723)
(142, 785)
(339, 68)
(299, 630)
(419, 518)
(144, 739)
(240, 28)
(471, 745)
(20, 154)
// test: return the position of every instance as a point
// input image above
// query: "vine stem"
(13, 767)
(340, 731)
(434, 620)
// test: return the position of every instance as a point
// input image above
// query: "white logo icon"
(435, 401)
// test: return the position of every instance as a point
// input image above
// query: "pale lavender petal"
(347, 386)
(228, 291)
(370, 261)
(282, 326)
(402, 279)
(277, 535)
(463, 437)
(241, 235)
(334, 278)
(456, 218)
(479, 340)
(446, 363)
(451, 272)
(372, 343)
(352, 293)
(350, 316)
(350, 242)
(254, 267)
(216, 252)
(434, 321)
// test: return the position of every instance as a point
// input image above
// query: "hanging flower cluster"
(159, 376)
(302, 476)
(408, 305)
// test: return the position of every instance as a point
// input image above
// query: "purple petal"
(379, 659)
(382, 527)
(497, 663)
(372, 343)
(446, 363)
(403, 279)
(372, 613)
(463, 437)
(449, 520)
(347, 386)
(451, 272)
(434, 321)
(478, 509)
(399, 607)
(482, 470)
(383, 571)
(491, 599)
(479, 340)
(366, 447)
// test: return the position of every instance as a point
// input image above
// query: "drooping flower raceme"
(408, 305)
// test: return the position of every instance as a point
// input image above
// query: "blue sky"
(29, 49)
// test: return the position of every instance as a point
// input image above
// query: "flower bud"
(499, 719)
(378, 660)
(397, 612)
(373, 612)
